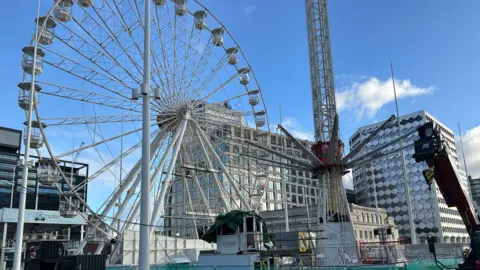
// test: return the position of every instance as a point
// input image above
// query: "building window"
(270, 184)
(363, 217)
(370, 234)
(361, 234)
(277, 186)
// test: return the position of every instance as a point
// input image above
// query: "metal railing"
(400, 266)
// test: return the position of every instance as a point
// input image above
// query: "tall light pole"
(17, 257)
(144, 250)
(405, 176)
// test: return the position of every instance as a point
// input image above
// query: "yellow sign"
(428, 175)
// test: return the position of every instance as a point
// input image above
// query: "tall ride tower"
(335, 223)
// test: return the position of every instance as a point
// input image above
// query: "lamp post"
(144, 250)
(17, 257)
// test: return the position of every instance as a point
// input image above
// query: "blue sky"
(433, 45)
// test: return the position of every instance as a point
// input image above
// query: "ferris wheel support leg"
(158, 141)
(202, 195)
(225, 171)
(134, 213)
(215, 177)
(118, 193)
(17, 257)
(136, 206)
(189, 204)
(166, 184)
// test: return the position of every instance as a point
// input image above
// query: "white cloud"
(471, 144)
(249, 9)
(365, 96)
(296, 129)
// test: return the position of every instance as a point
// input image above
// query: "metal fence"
(249, 267)
(444, 251)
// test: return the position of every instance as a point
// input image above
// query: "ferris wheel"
(89, 74)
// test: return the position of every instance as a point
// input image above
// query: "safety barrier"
(249, 267)
(417, 265)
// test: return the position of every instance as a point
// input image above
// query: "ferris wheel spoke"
(200, 86)
(105, 40)
(196, 76)
(130, 27)
(90, 97)
(87, 74)
(96, 58)
(114, 35)
(98, 143)
(191, 54)
(113, 162)
(219, 103)
(84, 120)
(182, 52)
(98, 54)
(161, 32)
(209, 95)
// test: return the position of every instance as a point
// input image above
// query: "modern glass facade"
(385, 177)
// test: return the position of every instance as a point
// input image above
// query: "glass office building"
(385, 177)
